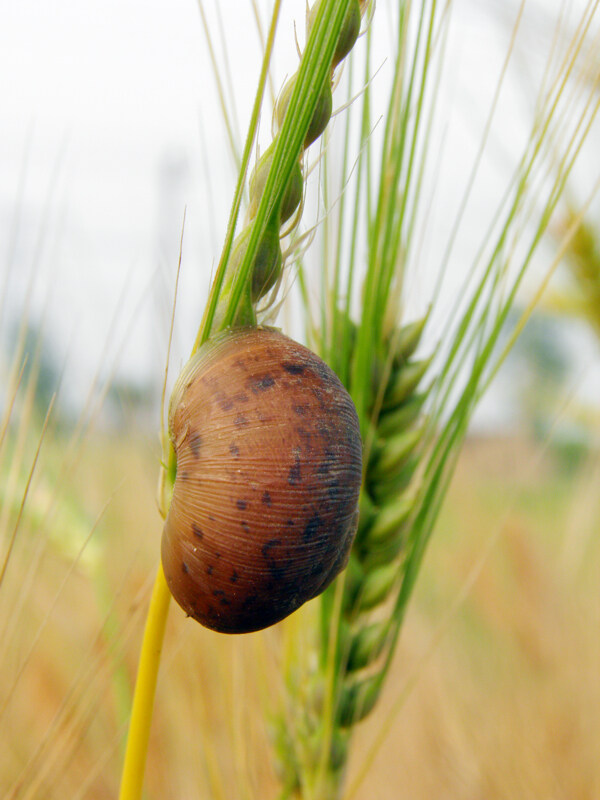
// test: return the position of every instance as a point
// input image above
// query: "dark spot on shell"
(312, 526)
(266, 498)
(333, 489)
(184, 475)
(268, 546)
(234, 450)
(262, 383)
(300, 410)
(241, 504)
(217, 555)
(195, 443)
(218, 593)
(294, 476)
(209, 569)
(234, 577)
(211, 517)
(323, 468)
(240, 420)
(305, 436)
(249, 601)
(225, 601)
(225, 403)
(277, 564)
(293, 369)
(184, 567)
(276, 570)
(197, 531)
(245, 526)
(289, 522)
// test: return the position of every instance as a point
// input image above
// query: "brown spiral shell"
(269, 464)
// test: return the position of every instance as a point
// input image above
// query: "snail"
(269, 467)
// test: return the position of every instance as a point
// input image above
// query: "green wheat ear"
(364, 632)
(276, 183)
(387, 505)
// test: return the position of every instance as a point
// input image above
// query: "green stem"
(215, 291)
(314, 68)
(143, 699)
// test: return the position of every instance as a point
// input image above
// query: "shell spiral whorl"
(269, 464)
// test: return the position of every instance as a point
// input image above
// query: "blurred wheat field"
(503, 702)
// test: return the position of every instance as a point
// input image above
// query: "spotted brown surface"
(268, 474)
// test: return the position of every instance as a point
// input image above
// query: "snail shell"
(269, 464)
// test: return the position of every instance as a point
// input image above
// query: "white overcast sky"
(109, 128)
(96, 97)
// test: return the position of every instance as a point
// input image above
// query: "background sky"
(110, 129)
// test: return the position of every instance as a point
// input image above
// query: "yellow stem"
(132, 778)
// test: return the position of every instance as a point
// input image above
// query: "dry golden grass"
(505, 705)
(508, 705)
